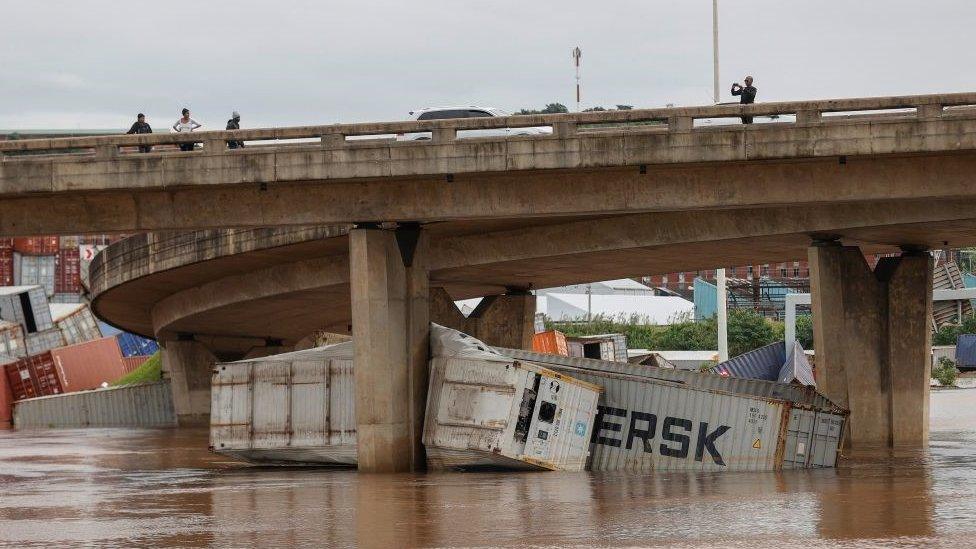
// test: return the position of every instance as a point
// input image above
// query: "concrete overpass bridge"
(605, 195)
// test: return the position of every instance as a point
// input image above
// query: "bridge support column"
(189, 365)
(391, 329)
(873, 338)
(500, 320)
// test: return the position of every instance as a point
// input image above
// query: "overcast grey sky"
(94, 64)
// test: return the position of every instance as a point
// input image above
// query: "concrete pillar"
(189, 365)
(390, 326)
(500, 320)
(872, 341)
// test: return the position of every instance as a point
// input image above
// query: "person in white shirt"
(186, 124)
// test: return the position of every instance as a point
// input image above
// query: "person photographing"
(747, 95)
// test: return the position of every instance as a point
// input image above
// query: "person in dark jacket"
(235, 124)
(747, 96)
(141, 126)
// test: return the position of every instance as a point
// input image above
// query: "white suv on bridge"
(468, 111)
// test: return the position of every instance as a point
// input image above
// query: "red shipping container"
(37, 245)
(551, 343)
(6, 262)
(66, 369)
(67, 272)
(6, 404)
(130, 363)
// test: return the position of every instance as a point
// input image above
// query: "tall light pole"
(577, 54)
(715, 50)
(721, 312)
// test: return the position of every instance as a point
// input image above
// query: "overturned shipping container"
(291, 408)
(66, 369)
(75, 321)
(657, 419)
(27, 306)
(487, 410)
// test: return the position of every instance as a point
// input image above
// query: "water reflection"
(120, 488)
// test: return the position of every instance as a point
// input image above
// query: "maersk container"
(291, 408)
(39, 270)
(27, 306)
(485, 410)
(75, 322)
(656, 419)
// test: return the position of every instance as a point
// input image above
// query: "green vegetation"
(747, 331)
(551, 108)
(151, 370)
(945, 372)
(804, 331)
(947, 334)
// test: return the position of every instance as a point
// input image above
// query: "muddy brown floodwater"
(139, 488)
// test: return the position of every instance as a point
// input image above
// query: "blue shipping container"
(133, 345)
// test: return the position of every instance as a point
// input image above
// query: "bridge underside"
(210, 305)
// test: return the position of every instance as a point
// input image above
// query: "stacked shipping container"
(6, 262)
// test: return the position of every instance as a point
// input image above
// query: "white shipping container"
(657, 419)
(12, 342)
(38, 342)
(290, 408)
(76, 322)
(486, 410)
(27, 306)
(37, 270)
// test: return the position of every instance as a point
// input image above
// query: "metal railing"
(676, 119)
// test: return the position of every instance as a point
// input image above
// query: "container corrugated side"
(291, 408)
(6, 263)
(807, 396)
(12, 343)
(77, 324)
(38, 270)
(36, 245)
(87, 365)
(68, 273)
(637, 397)
(26, 305)
(130, 363)
(133, 345)
(6, 397)
(551, 342)
(142, 405)
(33, 376)
(40, 342)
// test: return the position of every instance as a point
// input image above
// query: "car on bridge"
(468, 111)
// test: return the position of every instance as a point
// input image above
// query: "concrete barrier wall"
(143, 405)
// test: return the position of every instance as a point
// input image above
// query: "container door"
(310, 404)
(230, 406)
(272, 404)
(826, 440)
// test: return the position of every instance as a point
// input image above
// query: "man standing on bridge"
(235, 124)
(141, 126)
(747, 96)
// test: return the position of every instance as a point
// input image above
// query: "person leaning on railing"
(141, 126)
(186, 124)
